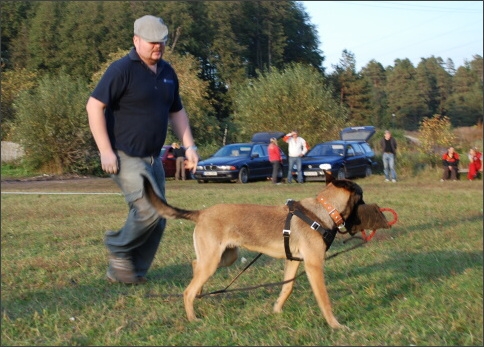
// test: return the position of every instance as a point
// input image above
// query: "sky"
(389, 30)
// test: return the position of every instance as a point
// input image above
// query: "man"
(179, 154)
(389, 148)
(128, 113)
(297, 148)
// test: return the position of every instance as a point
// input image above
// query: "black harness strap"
(286, 232)
(328, 235)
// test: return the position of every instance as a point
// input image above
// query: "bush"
(51, 124)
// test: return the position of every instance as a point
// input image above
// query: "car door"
(259, 164)
(355, 160)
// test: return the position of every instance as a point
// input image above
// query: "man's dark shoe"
(122, 270)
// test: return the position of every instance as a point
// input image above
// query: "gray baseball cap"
(151, 29)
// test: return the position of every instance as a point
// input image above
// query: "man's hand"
(109, 162)
(192, 157)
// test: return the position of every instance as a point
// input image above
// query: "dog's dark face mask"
(365, 217)
(362, 216)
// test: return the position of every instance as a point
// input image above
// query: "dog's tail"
(164, 209)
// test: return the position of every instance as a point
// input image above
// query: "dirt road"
(60, 184)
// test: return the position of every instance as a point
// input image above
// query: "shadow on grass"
(407, 269)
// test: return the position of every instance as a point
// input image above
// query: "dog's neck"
(332, 211)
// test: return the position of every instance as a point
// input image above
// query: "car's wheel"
(341, 174)
(243, 175)
(368, 171)
(201, 181)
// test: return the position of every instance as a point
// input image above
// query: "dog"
(221, 229)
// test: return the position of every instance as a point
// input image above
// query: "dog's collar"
(333, 213)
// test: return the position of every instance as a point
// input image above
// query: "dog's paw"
(194, 320)
(341, 327)
(277, 308)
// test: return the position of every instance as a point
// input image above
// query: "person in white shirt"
(297, 149)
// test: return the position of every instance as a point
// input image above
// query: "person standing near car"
(179, 154)
(128, 114)
(388, 146)
(297, 148)
(275, 158)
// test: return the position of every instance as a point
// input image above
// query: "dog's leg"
(290, 269)
(204, 268)
(229, 256)
(208, 257)
(194, 265)
(314, 269)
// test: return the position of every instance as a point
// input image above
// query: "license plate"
(310, 173)
(210, 173)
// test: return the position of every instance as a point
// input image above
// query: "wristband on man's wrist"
(195, 148)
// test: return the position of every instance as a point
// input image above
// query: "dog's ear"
(328, 177)
(366, 217)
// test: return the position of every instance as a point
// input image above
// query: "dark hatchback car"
(241, 162)
(349, 157)
(169, 162)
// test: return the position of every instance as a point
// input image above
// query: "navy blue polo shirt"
(138, 104)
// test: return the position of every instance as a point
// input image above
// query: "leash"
(272, 284)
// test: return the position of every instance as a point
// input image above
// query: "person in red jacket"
(450, 164)
(275, 158)
(475, 163)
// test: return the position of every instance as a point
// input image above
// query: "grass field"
(418, 283)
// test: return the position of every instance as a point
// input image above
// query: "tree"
(44, 37)
(466, 100)
(89, 32)
(13, 15)
(434, 85)
(435, 134)
(296, 97)
(353, 90)
(374, 76)
(404, 99)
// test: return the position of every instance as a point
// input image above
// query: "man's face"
(149, 52)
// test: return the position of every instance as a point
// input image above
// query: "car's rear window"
(326, 150)
(233, 151)
(367, 149)
(245, 150)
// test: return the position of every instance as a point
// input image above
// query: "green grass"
(418, 283)
(16, 170)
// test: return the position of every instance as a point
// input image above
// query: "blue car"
(349, 157)
(241, 162)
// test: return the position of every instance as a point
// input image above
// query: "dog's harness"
(328, 234)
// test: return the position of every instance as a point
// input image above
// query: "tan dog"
(222, 228)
